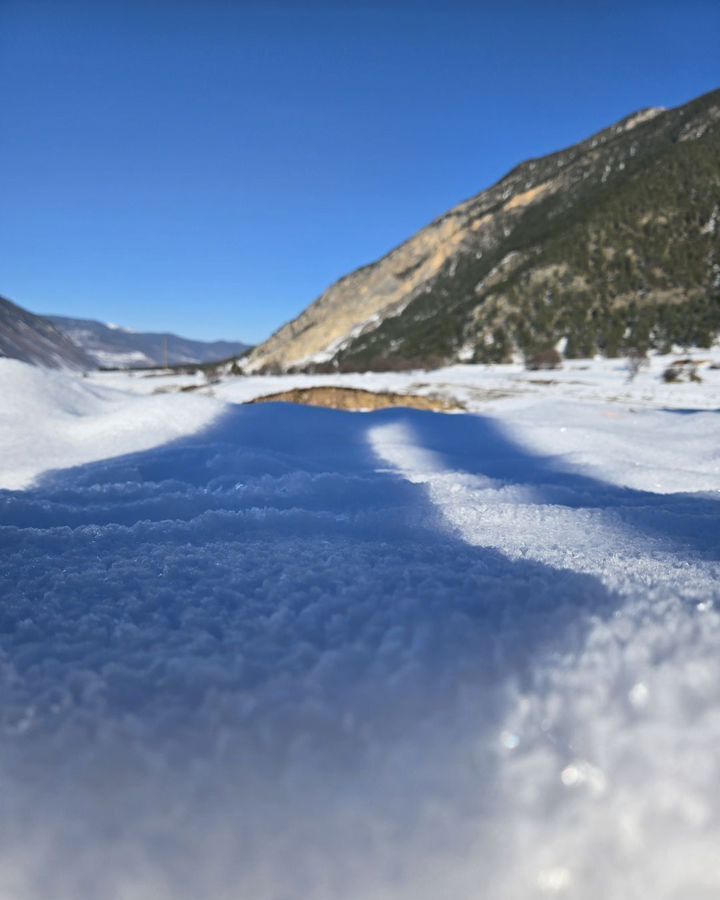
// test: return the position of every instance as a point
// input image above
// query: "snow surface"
(301, 654)
(52, 420)
(603, 380)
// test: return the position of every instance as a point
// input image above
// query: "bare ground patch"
(358, 400)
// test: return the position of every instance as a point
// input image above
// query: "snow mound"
(51, 420)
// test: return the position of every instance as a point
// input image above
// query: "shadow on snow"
(266, 578)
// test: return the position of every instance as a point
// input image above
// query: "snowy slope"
(309, 654)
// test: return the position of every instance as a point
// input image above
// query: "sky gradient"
(211, 167)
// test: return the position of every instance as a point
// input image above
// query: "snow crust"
(286, 653)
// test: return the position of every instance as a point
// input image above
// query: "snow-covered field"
(282, 653)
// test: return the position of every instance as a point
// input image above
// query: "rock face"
(33, 339)
(609, 245)
(110, 346)
(362, 299)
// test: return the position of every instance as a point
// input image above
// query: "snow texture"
(303, 654)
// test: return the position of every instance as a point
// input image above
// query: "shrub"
(543, 359)
(681, 370)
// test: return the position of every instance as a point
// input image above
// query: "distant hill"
(110, 346)
(33, 339)
(608, 246)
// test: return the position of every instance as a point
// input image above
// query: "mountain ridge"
(32, 339)
(112, 346)
(486, 280)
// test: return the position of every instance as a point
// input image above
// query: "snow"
(114, 359)
(604, 380)
(54, 420)
(286, 653)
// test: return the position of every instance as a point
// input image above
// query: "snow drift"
(52, 420)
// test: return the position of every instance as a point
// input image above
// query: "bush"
(681, 370)
(543, 359)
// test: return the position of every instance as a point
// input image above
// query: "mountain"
(608, 246)
(33, 339)
(110, 346)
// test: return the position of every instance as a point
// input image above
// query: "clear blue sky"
(211, 167)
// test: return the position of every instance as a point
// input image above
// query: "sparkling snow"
(282, 653)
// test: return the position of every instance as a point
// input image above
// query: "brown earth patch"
(357, 400)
